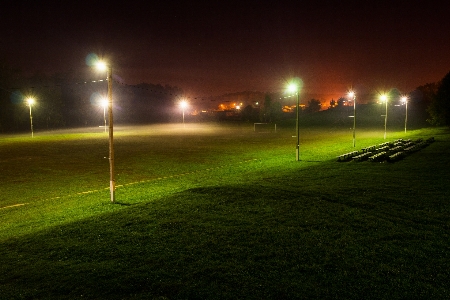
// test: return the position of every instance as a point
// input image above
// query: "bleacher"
(387, 151)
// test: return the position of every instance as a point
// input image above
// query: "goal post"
(264, 127)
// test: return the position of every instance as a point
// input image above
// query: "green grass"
(221, 212)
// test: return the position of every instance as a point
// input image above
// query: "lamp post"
(294, 88)
(384, 99)
(352, 96)
(405, 100)
(112, 185)
(183, 105)
(104, 103)
(30, 102)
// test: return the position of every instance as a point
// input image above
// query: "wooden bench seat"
(370, 148)
(378, 157)
(347, 156)
(361, 157)
(396, 156)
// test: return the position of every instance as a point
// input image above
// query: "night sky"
(233, 46)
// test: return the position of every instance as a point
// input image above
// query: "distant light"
(238, 107)
(383, 98)
(404, 99)
(295, 85)
(30, 101)
(351, 94)
(183, 104)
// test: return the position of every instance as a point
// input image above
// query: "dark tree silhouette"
(439, 108)
(314, 105)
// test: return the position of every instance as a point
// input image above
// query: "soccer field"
(216, 211)
(65, 162)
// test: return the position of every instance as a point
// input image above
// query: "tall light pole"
(352, 96)
(183, 105)
(30, 102)
(384, 99)
(294, 88)
(405, 100)
(104, 103)
(112, 184)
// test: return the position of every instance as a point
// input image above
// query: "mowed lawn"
(212, 211)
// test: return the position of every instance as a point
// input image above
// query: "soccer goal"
(264, 127)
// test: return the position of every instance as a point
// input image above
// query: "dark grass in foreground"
(262, 230)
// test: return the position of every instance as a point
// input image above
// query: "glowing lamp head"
(104, 102)
(351, 94)
(101, 65)
(404, 99)
(183, 104)
(292, 88)
(383, 98)
(30, 101)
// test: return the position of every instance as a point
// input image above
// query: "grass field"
(221, 212)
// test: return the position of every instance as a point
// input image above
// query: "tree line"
(73, 99)
(429, 102)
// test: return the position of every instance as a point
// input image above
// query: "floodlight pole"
(354, 121)
(112, 184)
(385, 120)
(297, 149)
(406, 115)
(104, 117)
(31, 121)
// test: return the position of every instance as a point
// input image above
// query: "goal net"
(264, 127)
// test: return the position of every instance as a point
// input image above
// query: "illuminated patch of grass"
(231, 216)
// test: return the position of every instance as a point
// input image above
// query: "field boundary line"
(14, 205)
(136, 182)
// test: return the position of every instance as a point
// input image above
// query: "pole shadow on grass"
(123, 203)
